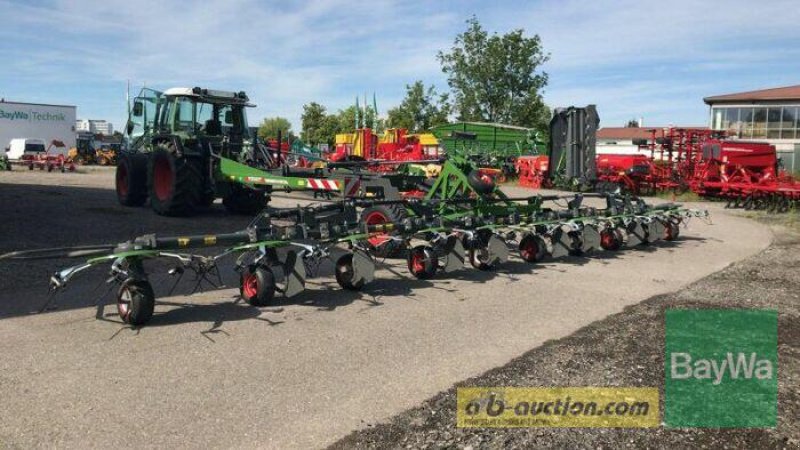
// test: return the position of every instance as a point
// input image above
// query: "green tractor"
(185, 147)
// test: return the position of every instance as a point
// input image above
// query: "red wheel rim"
(607, 240)
(418, 262)
(377, 218)
(529, 249)
(124, 305)
(162, 179)
(250, 285)
(122, 180)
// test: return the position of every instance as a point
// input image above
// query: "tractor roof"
(210, 95)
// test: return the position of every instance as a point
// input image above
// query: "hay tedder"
(476, 225)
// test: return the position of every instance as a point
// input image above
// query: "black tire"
(344, 273)
(479, 184)
(257, 285)
(376, 215)
(611, 239)
(135, 302)
(672, 231)
(131, 179)
(241, 200)
(174, 184)
(422, 262)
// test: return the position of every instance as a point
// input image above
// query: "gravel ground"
(627, 349)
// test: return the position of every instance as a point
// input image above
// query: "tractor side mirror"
(138, 109)
(228, 117)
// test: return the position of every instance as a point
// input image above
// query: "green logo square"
(721, 368)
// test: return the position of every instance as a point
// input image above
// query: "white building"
(766, 115)
(95, 126)
(36, 121)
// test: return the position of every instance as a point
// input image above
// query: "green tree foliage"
(270, 126)
(421, 109)
(633, 123)
(497, 78)
(318, 127)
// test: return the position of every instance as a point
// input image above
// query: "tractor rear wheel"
(135, 301)
(175, 184)
(131, 179)
(257, 285)
(381, 244)
(242, 200)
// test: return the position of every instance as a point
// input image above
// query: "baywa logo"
(32, 115)
(14, 115)
(721, 368)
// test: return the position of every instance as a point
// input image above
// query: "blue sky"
(651, 59)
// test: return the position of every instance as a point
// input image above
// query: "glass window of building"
(759, 123)
(732, 125)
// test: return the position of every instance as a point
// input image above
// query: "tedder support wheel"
(257, 285)
(530, 249)
(175, 184)
(422, 262)
(135, 301)
(382, 245)
(131, 179)
(481, 184)
(671, 231)
(345, 272)
(611, 239)
(242, 200)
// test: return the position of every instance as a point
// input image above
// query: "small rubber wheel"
(481, 184)
(610, 239)
(671, 231)
(345, 274)
(422, 262)
(529, 249)
(257, 285)
(135, 302)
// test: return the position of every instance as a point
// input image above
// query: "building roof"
(774, 94)
(631, 133)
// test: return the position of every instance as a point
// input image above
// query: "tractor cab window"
(183, 115)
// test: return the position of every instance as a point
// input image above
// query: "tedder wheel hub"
(610, 240)
(529, 249)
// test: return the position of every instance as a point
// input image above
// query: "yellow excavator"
(86, 151)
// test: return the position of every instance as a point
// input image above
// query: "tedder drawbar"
(280, 249)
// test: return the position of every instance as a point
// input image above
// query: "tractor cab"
(201, 119)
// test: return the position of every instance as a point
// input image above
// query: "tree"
(633, 123)
(346, 118)
(420, 110)
(315, 125)
(270, 127)
(497, 78)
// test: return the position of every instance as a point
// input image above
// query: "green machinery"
(488, 144)
(185, 147)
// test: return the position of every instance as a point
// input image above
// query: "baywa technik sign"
(31, 115)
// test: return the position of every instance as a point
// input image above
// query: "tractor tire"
(131, 179)
(381, 245)
(174, 184)
(530, 249)
(241, 200)
(135, 302)
(257, 286)
(422, 262)
(481, 184)
(344, 274)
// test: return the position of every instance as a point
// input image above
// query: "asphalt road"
(213, 372)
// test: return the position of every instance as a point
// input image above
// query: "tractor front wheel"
(135, 301)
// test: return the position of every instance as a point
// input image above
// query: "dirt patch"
(627, 349)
